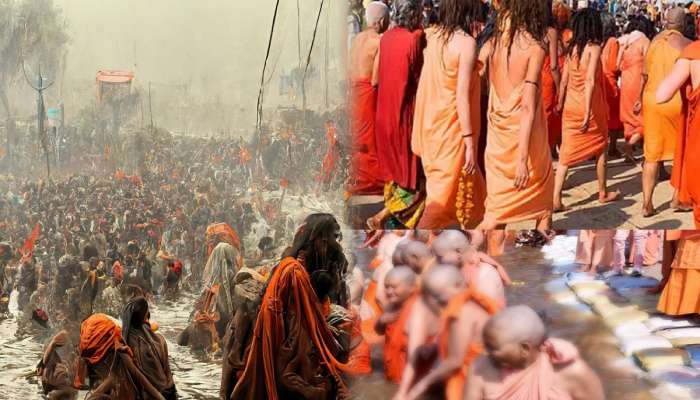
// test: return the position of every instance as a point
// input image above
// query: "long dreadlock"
(587, 29)
(457, 15)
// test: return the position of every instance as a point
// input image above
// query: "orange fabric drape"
(632, 68)
(370, 297)
(612, 90)
(580, 146)
(437, 134)
(289, 290)
(662, 122)
(98, 336)
(366, 173)
(549, 103)
(396, 343)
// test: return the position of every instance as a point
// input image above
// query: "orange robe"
(366, 175)
(580, 146)
(454, 385)
(681, 295)
(537, 381)
(505, 203)
(612, 91)
(549, 103)
(289, 292)
(686, 162)
(360, 360)
(632, 68)
(370, 298)
(437, 135)
(396, 343)
(662, 122)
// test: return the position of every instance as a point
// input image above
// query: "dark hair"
(457, 15)
(609, 25)
(317, 242)
(133, 316)
(587, 28)
(523, 15)
(690, 31)
(642, 24)
(408, 14)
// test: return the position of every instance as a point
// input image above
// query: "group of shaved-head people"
(436, 307)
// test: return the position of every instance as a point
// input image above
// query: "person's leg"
(629, 148)
(619, 250)
(650, 170)
(613, 152)
(601, 167)
(559, 178)
(640, 239)
(544, 224)
(496, 239)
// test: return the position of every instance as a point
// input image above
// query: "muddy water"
(196, 377)
(537, 273)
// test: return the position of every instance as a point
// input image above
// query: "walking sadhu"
(662, 122)
(582, 101)
(685, 75)
(400, 63)
(447, 119)
(366, 174)
(519, 174)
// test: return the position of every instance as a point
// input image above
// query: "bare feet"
(608, 197)
(648, 210)
(559, 208)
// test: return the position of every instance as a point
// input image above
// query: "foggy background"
(203, 59)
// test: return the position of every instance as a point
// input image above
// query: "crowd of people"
(459, 109)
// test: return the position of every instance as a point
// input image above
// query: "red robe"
(400, 63)
(366, 174)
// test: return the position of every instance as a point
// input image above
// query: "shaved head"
(375, 11)
(675, 18)
(440, 278)
(451, 246)
(518, 324)
(402, 274)
(416, 255)
(399, 257)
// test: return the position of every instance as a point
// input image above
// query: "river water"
(538, 274)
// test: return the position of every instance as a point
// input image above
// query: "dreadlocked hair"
(455, 15)
(587, 29)
(522, 16)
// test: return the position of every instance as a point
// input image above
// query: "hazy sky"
(217, 47)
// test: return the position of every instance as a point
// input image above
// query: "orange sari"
(632, 67)
(580, 146)
(612, 91)
(437, 139)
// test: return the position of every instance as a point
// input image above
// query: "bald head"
(399, 255)
(675, 18)
(401, 274)
(441, 278)
(416, 254)
(451, 246)
(375, 13)
(517, 324)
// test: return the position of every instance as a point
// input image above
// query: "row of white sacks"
(665, 347)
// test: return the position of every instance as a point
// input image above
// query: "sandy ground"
(581, 196)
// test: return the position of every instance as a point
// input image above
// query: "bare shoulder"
(579, 380)
(484, 369)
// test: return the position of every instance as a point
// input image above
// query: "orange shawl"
(289, 290)
(396, 343)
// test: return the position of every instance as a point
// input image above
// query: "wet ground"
(538, 274)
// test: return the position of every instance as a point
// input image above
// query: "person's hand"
(389, 317)
(637, 108)
(560, 106)
(522, 175)
(586, 123)
(469, 160)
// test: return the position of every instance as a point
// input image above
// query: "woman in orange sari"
(582, 99)
(681, 295)
(633, 49)
(446, 122)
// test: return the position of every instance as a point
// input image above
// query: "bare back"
(508, 72)
(362, 55)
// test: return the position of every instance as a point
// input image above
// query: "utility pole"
(41, 115)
